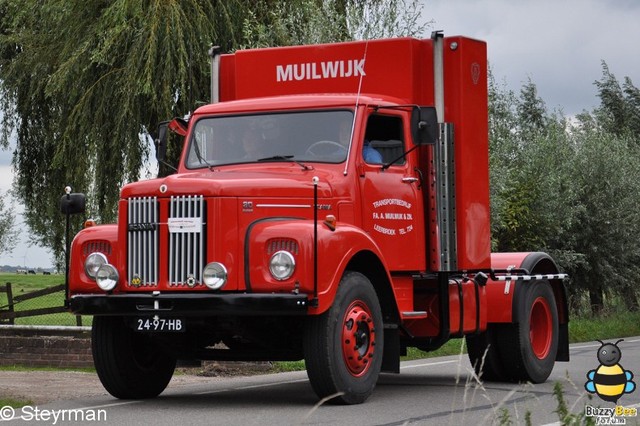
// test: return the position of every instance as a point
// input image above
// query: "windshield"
(314, 136)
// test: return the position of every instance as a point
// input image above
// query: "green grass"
(25, 368)
(15, 403)
(25, 283)
(610, 326)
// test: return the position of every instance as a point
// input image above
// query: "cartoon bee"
(609, 381)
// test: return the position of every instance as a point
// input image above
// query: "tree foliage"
(81, 82)
(570, 187)
(286, 22)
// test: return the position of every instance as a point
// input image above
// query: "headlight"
(282, 265)
(107, 277)
(214, 275)
(93, 263)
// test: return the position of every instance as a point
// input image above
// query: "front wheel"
(129, 365)
(343, 346)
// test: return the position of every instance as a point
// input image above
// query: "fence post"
(7, 290)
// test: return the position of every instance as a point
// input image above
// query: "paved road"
(437, 391)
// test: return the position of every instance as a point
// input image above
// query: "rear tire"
(130, 365)
(528, 347)
(343, 347)
(484, 354)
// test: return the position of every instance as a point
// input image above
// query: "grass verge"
(605, 327)
(25, 368)
(15, 403)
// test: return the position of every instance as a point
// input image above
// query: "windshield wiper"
(285, 158)
(200, 157)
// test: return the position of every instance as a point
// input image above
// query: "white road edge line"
(597, 345)
(115, 404)
(404, 367)
(264, 385)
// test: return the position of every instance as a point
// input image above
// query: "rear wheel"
(343, 347)
(528, 347)
(484, 354)
(129, 365)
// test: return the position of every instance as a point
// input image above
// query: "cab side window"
(384, 140)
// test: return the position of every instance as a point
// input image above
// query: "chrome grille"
(142, 241)
(186, 240)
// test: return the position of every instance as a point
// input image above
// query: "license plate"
(160, 324)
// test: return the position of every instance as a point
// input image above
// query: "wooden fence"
(8, 313)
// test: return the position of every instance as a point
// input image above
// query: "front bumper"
(185, 305)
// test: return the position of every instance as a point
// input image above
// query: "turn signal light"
(330, 221)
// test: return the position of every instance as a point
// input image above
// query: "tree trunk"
(596, 297)
(630, 298)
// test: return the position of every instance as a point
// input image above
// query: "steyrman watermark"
(29, 413)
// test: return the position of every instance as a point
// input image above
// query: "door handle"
(410, 179)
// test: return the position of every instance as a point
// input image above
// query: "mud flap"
(391, 353)
(563, 342)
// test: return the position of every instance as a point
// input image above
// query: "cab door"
(392, 201)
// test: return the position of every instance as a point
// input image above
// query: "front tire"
(343, 346)
(129, 365)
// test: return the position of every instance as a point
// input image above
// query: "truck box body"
(402, 69)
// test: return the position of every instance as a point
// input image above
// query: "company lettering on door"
(388, 220)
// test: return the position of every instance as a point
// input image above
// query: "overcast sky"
(24, 254)
(558, 44)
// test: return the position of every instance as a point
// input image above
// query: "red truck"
(331, 204)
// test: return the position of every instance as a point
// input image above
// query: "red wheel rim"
(540, 327)
(358, 338)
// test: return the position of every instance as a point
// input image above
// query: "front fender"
(335, 249)
(102, 238)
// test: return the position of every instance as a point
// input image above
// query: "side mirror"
(424, 125)
(178, 126)
(161, 141)
(72, 203)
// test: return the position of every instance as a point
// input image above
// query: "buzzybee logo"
(610, 380)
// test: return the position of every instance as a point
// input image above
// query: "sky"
(558, 44)
(24, 254)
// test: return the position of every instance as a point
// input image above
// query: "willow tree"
(8, 231)
(82, 82)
